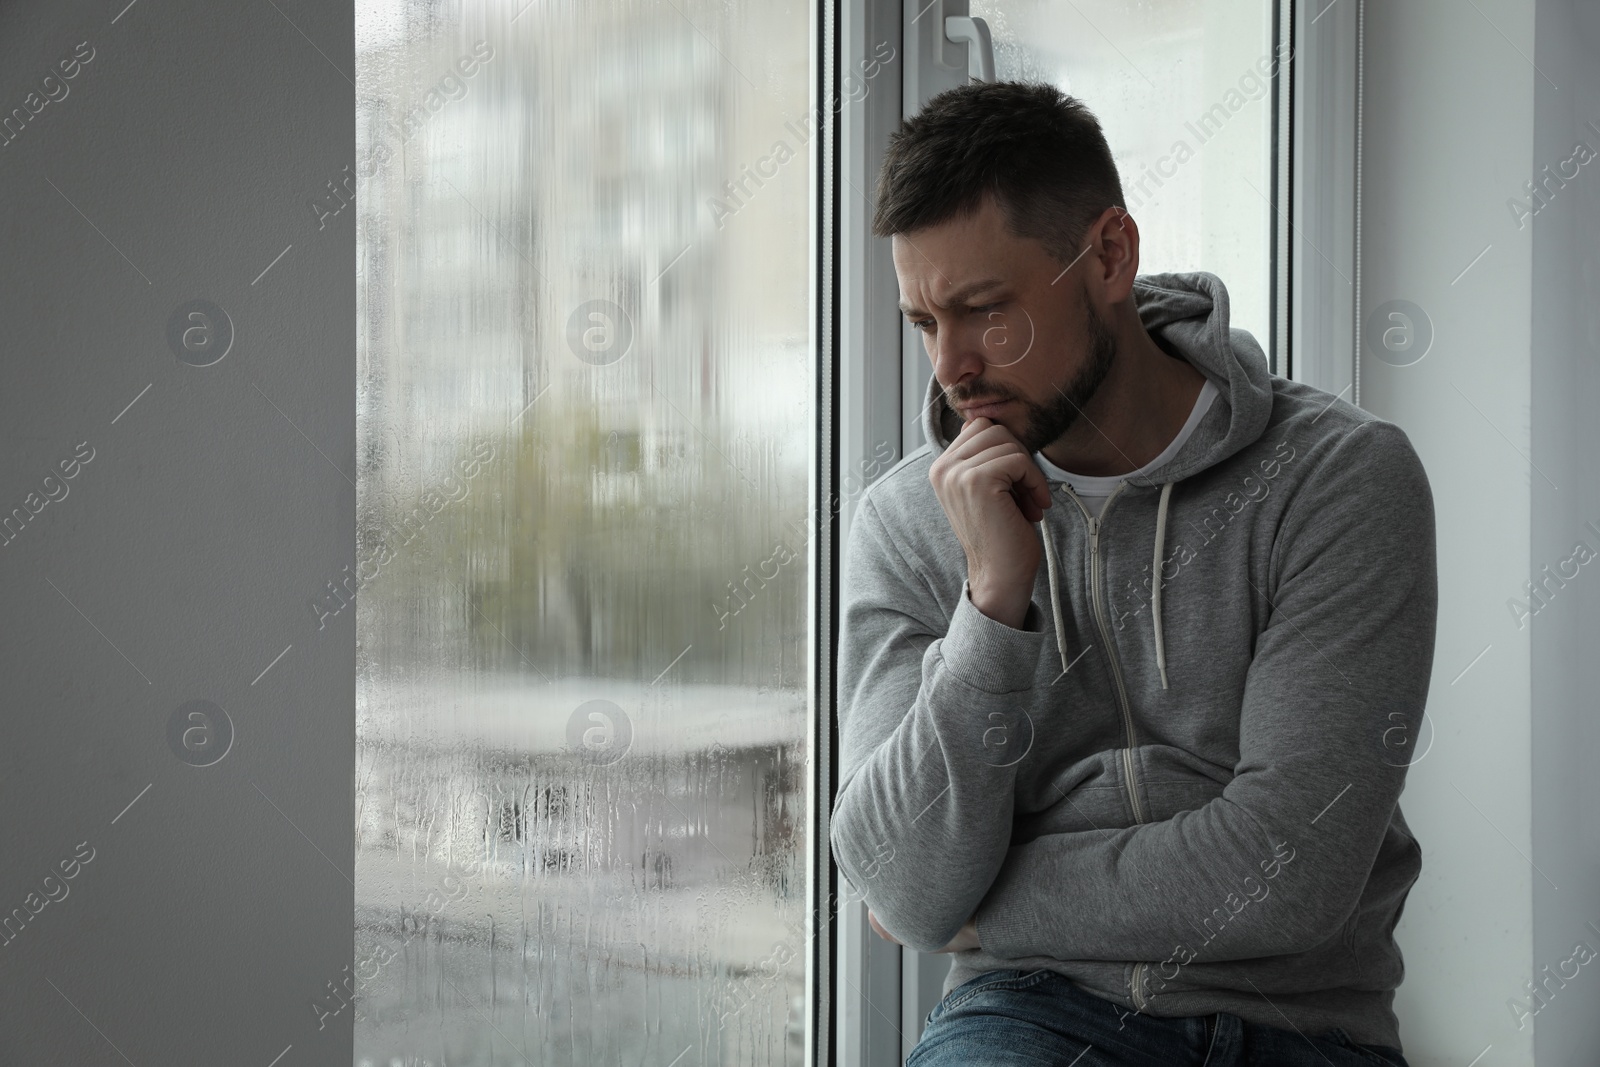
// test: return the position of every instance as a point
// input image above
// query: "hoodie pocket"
(1174, 780)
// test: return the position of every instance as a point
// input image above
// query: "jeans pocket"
(1382, 1055)
(988, 981)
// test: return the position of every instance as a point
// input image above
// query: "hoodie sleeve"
(1277, 864)
(930, 736)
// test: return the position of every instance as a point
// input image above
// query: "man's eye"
(978, 309)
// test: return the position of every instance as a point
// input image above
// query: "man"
(1146, 793)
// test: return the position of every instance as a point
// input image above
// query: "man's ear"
(1117, 237)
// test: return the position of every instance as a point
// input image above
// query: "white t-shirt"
(1095, 490)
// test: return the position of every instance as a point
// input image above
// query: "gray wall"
(1565, 426)
(180, 558)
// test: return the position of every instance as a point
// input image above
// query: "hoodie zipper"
(1098, 600)
(1096, 580)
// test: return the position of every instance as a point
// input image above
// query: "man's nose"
(957, 352)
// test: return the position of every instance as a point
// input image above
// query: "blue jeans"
(1016, 1018)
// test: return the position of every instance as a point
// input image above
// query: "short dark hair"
(1039, 151)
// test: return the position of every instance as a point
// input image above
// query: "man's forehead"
(944, 292)
(956, 260)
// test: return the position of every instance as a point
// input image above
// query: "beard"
(1047, 422)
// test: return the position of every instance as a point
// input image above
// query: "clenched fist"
(993, 493)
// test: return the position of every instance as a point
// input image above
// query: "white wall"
(1446, 139)
(1502, 411)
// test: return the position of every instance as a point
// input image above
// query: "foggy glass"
(1159, 76)
(586, 438)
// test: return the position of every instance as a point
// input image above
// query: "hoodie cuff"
(1006, 922)
(989, 655)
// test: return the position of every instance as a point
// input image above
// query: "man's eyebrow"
(971, 289)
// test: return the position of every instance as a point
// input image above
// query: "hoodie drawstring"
(1155, 581)
(1055, 600)
(1052, 569)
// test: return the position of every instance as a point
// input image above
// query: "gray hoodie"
(1182, 795)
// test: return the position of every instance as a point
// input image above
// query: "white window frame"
(1319, 305)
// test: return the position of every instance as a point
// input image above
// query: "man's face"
(1003, 322)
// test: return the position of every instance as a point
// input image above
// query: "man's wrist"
(988, 654)
(1006, 607)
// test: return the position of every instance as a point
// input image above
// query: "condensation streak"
(587, 428)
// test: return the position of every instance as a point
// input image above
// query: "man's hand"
(966, 938)
(876, 925)
(993, 493)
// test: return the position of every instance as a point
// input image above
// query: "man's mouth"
(986, 409)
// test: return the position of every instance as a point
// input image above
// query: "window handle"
(974, 33)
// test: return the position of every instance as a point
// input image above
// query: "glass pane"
(586, 440)
(1181, 89)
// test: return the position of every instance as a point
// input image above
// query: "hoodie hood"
(1190, 312)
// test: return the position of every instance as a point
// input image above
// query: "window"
(1183, 91)
(587, 432)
